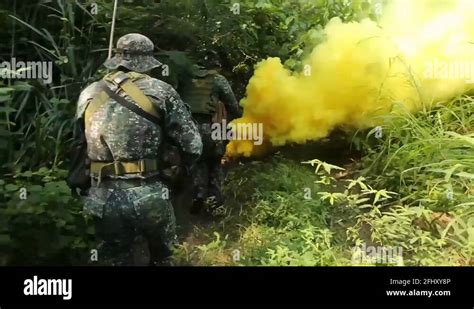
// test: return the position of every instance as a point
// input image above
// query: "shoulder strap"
(134, 108)
(95, 104)
(126, 83)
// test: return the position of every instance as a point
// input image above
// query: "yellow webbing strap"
(94, 105)
(126, 82)
(117, 168)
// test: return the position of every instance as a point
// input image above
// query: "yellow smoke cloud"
(419, 53)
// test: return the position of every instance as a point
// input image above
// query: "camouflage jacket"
(118, 134)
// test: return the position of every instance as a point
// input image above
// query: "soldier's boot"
(214, 206)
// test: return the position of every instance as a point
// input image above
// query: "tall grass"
(38, 119)
(412, 190)
(427, 157)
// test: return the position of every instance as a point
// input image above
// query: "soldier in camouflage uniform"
(212, 100)
(135, 219)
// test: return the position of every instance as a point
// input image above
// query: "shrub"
(41, 223)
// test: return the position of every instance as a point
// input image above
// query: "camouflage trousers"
(208, 175)
(135, 222)
(208, 179)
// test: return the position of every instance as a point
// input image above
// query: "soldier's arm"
(226, 95)
(181, 128)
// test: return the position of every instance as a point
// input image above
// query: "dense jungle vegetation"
(392, 194)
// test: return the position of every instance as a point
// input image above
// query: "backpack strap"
(94, 105)
(126, 83)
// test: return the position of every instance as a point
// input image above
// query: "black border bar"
(242, 285)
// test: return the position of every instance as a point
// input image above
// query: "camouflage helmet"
(134, 52)
(199, 70)
(209, 59)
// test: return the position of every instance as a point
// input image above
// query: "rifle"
(221, 112)
(78, 175)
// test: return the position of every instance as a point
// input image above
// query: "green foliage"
(280, 226)
(41, 223)
(427, 157)
(37, 119)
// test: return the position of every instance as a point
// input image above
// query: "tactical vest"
(198, 95)
(124, 81)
